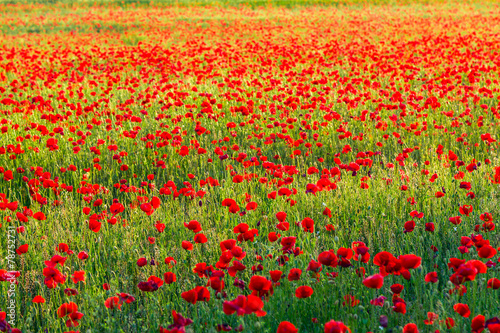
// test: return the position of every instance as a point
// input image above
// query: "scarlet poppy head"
(38, 299)
(397, 288)
(303, 292)
(375, 281)
(286, 327)
(410, 328)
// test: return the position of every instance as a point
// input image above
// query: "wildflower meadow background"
(307, 166)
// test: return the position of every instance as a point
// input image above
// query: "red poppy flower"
(303, 292)
(336, 327)
(200, 239)
(397, 288)
(38, 299)
(383, 258)
(8, 175)
(410, 261)
(147, 208)
(487, 252)
(160, 227)
(477, 324)
(216, 283)
(260, 286)
(308, 224)
(273, 236)
(450, 323)
(21, 217)
(379, 301)
(78, 276)
(142, 262)
(328, 258)
(486, 217)
(314, 266)
(431, 317)
(466, 209)
(416, 214)
(116, 208)
(462, 309)
(66, 308)
(251, 206)
(294, 274)
(241, 228)
(350, 300)
(169, 277)
(83, 255)
(276, 275)
(170, 261)
(493, 283)
(399, 307)
(194, 226)
(361, 272)
(288, 243)
(187, 245)
(281, 216)
(179, 323)
(148, 286)
(283, 226)
(126, 298)
(238, 253)
(73, 319)
(374, 281)
(286, 327)
(56, 259)
(234, 209)
(329, 227)
(22, 249)
(345, 253)
(113, 302)
(198, 294)
(431, 277)
(429, 226)
(236, 267)
(410, 328)
(39, 216)
(203, 270)
(409, 226)
(244, 305)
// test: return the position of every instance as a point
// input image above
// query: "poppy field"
(258, 169)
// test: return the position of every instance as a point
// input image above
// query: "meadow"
(268, 167)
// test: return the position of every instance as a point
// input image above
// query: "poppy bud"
(383, 321)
